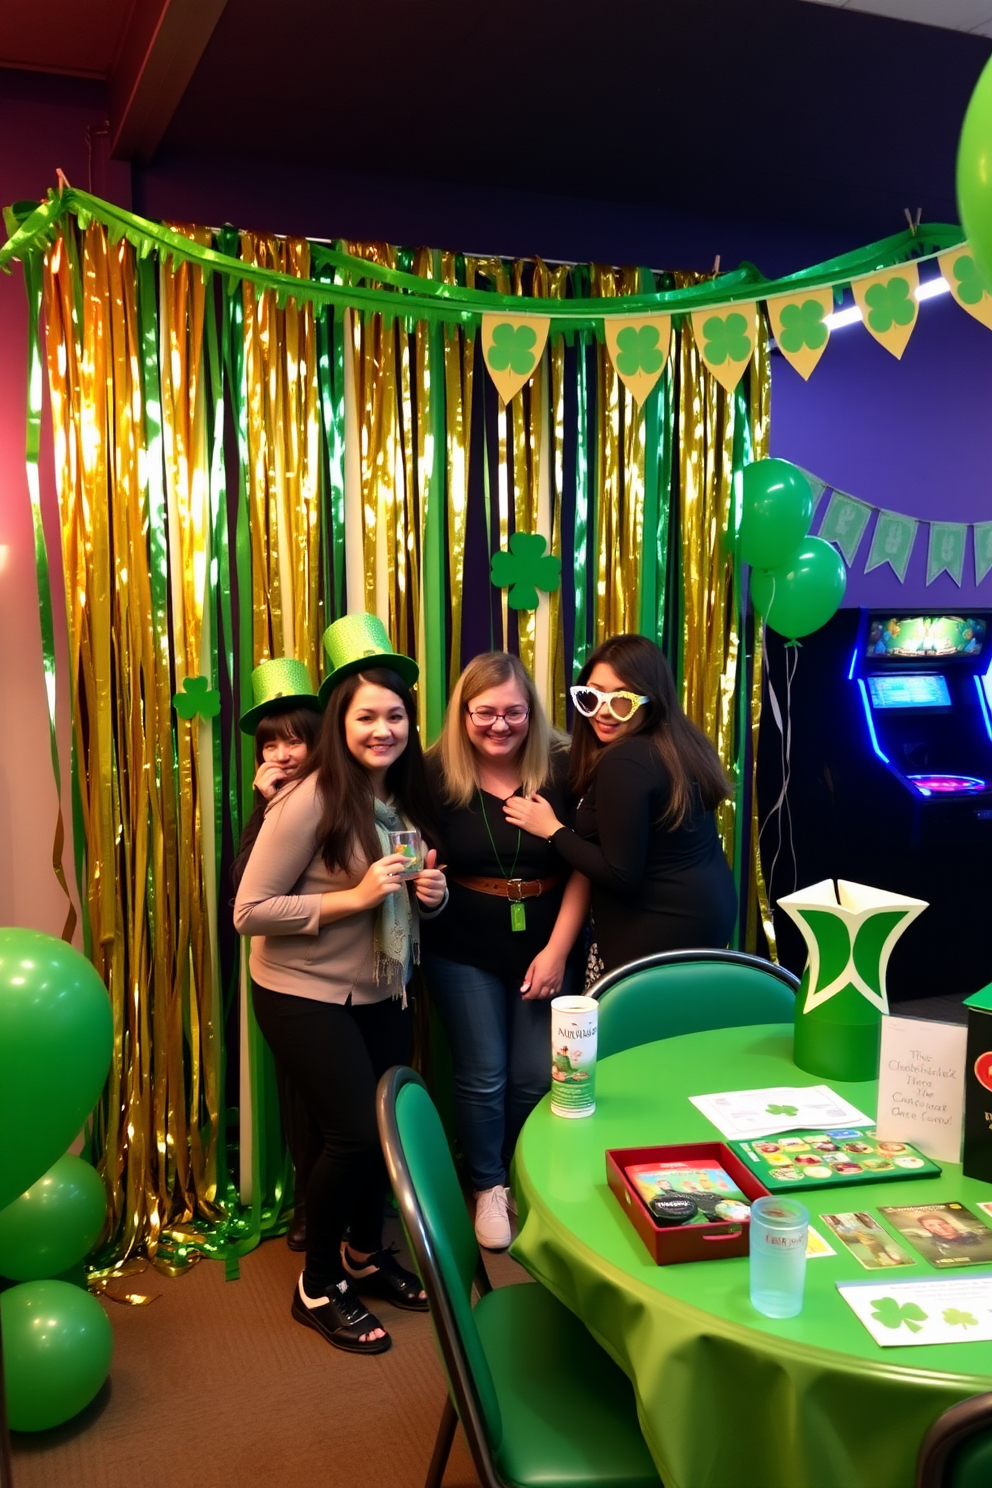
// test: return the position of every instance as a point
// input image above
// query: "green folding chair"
(686, 992)
(541, 1404)
(957, 1450)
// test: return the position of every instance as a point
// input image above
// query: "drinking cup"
(574, 1029)
(411, 845)
(779, 1228)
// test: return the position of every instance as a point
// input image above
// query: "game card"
(870, 1245)
(946, 1235)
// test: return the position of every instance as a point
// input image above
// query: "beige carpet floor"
(215, 1384)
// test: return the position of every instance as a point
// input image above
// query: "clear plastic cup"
(779, 1228)
(410, 844)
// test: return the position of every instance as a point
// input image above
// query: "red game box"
(691, 1242)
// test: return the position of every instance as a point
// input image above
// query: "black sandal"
(383, 1276)
(342, 1319)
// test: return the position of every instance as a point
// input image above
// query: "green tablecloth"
(728, 1398)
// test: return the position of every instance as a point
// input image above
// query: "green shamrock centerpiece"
(525, 569)
(197, 698)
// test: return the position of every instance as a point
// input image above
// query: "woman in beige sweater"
(335, 933)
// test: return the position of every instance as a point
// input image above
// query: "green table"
(728, 1398)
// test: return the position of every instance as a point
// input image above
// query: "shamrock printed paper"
(512, 346)
(967, 283)
(725, 340)
(893, 1314)
(525, 569)
(197, 698)
(887, 302)
(638, 349)
(798, 326)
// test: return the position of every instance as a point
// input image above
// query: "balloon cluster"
(797, 581)
(56, 1037)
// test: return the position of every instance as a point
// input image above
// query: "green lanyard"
(518, 912)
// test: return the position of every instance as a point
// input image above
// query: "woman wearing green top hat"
(285, 722)
(335, 932)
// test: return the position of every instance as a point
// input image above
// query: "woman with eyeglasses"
(504, 945)
(648, 782)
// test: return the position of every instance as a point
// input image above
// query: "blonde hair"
(459, 761)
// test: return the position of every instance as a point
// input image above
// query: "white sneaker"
(511, 1202)
(492, 1225)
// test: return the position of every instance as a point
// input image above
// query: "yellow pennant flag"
(966, 283)
(638, 348)
(725, 340)
(799, 326)
(887, 302)
(512, 346)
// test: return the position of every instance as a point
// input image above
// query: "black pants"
(335, 1053)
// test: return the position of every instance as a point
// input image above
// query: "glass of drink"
(779, 1228)
(411, 845)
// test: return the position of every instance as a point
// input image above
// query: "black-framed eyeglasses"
(513, 717)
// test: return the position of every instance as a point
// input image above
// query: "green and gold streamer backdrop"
(369, 463)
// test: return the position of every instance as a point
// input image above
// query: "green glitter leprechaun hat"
(358, 641)
(276, 687)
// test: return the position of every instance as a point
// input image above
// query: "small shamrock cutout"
(971, 285)
(957, 1319)
(512, 349)
(197, 697)
(892, 1314)
(802, 325)
(889, 304)
(525, 569)
(638, 350)
(782, 1110)
(726, 339)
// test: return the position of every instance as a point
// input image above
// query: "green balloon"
(56, 1036)
(802, 595)
(55, 1224)
(974, 173)
(776, 513)
(57, 1346)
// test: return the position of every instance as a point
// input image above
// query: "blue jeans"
(501, 1051)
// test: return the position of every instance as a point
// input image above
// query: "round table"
(728, 1398)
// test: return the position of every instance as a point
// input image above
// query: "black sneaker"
(340, 1317)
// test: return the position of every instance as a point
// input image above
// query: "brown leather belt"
(510, 888)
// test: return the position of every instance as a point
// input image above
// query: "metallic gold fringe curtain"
(378, 469)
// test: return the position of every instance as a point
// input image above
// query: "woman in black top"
(645, 831)
(502, 948)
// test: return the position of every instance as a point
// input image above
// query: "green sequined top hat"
(357, 641)
(277, 686)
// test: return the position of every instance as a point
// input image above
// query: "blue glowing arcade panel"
(925, 686)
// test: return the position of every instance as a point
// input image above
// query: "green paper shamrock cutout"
(892, 1314)
(802, 325)
(525, 569)
(782, 1110)
(198, 697)
(726, 339)
(638, 350)
(512, 349)
(971, 285)
(889, 304)
(956, 1319)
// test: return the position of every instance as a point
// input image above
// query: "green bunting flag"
(946, 553)
(725, 340)
(638, 349)
(892, 543)
(799, 326)
(982, 533)
(844, 524)
(512, 346)
(888, 305)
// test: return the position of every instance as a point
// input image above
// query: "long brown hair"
(287, 723)
(347, 800)
(692, 762)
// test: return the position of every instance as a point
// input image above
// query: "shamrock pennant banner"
(892, 543)
(817, 486)
(638, 349)
(844, 523)
(726, 339)
(966, 283)
(887, 302)
(525, 569)
(946, 550)
(512, 346)
(798, 325)
(982, 533)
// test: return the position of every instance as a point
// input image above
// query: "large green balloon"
(974, 173)
(56, 1035)
(776, 513)
(802, 595)
(57, 1347)
(55, 1224)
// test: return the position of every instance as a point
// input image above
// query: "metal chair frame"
(948, 1432)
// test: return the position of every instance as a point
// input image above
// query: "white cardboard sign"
(921, 1085)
